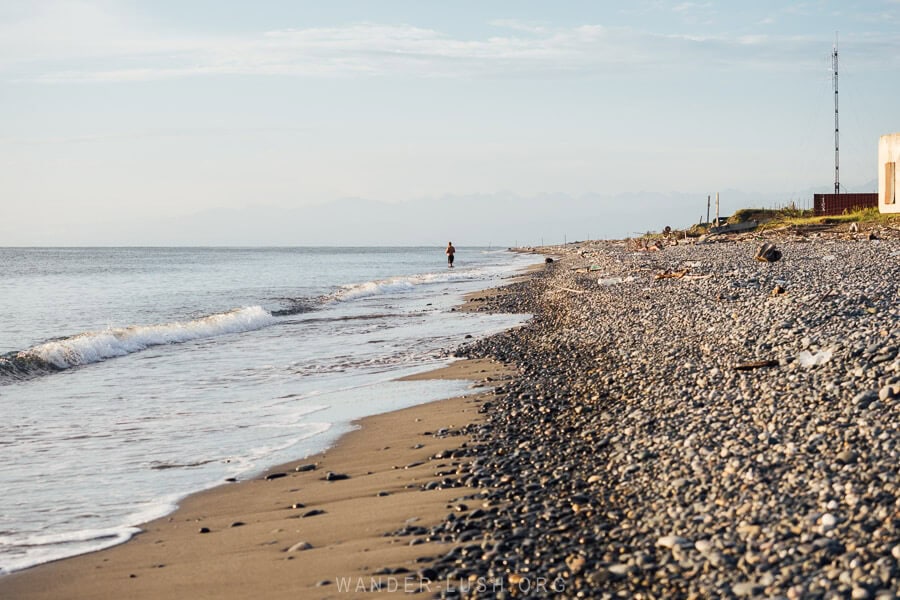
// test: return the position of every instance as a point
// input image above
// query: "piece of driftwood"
(768, 253)
(671, 274)
(756, 364)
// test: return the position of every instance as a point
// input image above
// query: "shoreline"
(683, 421)
(241, 539)
(299, 532)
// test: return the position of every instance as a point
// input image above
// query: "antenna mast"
(834, 69)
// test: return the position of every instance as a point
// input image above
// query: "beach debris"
(272, 476)
(778, 290)
(808, 359)
(305, 468)
(300, 547)
(332, 476)
(565, 289)
(756, 364)
(767, 252)
(854, 228)
(607, 281)
(669, 274)
(647, 245)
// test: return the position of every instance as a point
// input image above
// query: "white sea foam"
(401, 284)
(39, 549)
(95, 346)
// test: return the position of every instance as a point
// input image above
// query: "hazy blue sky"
(125, 114)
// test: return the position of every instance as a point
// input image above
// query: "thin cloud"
(102, 47)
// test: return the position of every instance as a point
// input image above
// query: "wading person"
(450, 251)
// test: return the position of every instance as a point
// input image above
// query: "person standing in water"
(450, 251)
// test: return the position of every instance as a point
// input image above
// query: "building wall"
(838, 204)
(888, 170)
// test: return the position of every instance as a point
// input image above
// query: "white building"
(888, 157)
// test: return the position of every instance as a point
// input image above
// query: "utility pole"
(717, 209)
(834, 69)
(707, 208)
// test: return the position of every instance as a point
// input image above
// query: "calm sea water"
(131, 377)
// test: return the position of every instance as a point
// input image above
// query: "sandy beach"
(290, 534)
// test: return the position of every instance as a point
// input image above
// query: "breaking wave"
(95, 346)
(399, 284)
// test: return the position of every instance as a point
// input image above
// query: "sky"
(155, 122)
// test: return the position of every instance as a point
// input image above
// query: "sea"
(132, 377)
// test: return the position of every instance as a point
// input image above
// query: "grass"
(800, 218)
(773, 218)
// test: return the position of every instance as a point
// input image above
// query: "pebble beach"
(691, 422)
(678, 419)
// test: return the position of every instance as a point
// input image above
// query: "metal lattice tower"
(834, 69)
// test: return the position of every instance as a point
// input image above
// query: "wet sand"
(236, 540)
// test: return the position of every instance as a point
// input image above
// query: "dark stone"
(204, 530)
(332, 476)
(272, 476)
(305, 468)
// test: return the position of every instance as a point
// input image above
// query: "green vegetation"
(789, 216)
(800, 218)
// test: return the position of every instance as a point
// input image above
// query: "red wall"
(837, 204)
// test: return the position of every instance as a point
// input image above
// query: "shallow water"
(132, 377)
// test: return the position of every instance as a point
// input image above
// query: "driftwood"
(671, 274)
(756, 364)
(768, 253)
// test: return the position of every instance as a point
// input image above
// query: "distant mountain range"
(500, 219)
